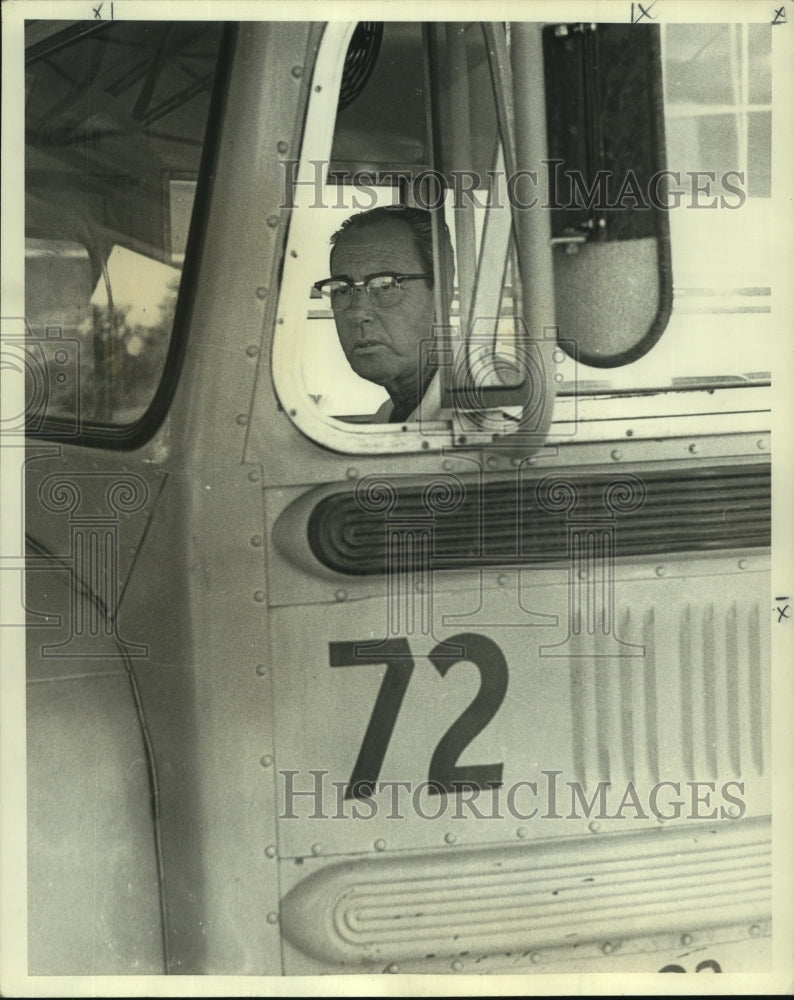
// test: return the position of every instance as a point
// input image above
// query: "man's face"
(382, 345)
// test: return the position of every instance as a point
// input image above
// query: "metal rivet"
(558, 377)
(522, 832)
(242, 419)
(352, 472)
(340, 595)
(755, 930)
(617, 454)
(502, 579)
(534, 958)
(272, 918)
(259, 596)
(450, 838)
(392, 968)
(457, 965)
(661, 570)
(629, 433)
(582, 574)
(594, 827)
(557, 356)
(297, 72)
(686, 939)
(252, 351)
(446, 465)
(380, 845)
(317, 848)
(293, 253)
(607, 947)
(261, 669)
(317, 89)
(253, 475)
(266, 761)
(743, 564)
(425, 445)
(282, 146)
(293, 413)
(272, 221)
(270, 851)
(462, 439)
(693, 448)
(491, 461)
(261, 293)
(256, 540)
(760, 444)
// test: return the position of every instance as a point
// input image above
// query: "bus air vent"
(360, 60)
(508, 522)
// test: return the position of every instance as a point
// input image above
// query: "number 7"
(396, 654)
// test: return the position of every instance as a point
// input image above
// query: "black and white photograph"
(396, 585)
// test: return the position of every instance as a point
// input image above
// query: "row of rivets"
(742, 564)
(608, 948)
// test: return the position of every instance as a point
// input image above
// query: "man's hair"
(421, 225)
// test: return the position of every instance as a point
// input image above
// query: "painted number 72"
(444, 774)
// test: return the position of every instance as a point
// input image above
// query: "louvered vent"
(514, 522)
(694, 706)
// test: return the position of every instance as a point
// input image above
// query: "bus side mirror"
(610, 231)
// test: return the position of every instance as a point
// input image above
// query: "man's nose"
(360, 304)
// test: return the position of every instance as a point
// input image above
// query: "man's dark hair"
(420, 222)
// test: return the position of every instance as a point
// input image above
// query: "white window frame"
(666, 413)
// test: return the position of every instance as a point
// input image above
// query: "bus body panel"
(247, 667)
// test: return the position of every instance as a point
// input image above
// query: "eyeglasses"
(383, 290)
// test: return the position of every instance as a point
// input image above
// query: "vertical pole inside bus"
(533, 226)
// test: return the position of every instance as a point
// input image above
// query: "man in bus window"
(381, 295)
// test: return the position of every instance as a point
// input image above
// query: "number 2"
(444, 775)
